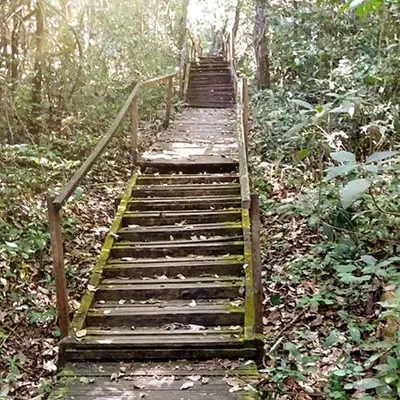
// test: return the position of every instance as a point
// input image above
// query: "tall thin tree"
(261, 45)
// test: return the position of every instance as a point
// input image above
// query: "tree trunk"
(236, 23)
(14, 53)
(38, 67)
(261, 45)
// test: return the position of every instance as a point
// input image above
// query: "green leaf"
(343, 269)
(380, 156)
(13, 245)
(353, 191)
(392, 362)
(355, 334)
(383, 368)
(348, 386)
(344, 157)
(356, 3)
(371, 168)
(302, 154)
(296, 129)
(332, 339)
(293, 350)
(302, 103)
(334, 172)
(369, 260)
(369, 383)
(340, 372)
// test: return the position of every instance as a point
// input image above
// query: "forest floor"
(312, 343)
(28, 172)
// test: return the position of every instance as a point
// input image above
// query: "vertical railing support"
(170, 94)
(58, 266)
(135, 129)
(256, 261)
(245, 111)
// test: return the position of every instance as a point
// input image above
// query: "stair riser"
(137, 252)
(190, 168)
(171, 220)
(203, 319)
(210, 98)
(140, 206)
(208, 105)
(177, 180)
(210, 81)
(142, 236)
(158, 354)
(170, 192)
(173, 270)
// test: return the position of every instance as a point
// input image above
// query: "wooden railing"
(250, 201)
(55, 204)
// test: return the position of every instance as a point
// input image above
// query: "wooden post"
(58, 266)
(182, 78)
(170, 94)
(135, 129)
(256, 260)
(245, 110)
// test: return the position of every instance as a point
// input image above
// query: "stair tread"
(178, 228)
(182, 213)
(161, 341)
(193, 259)
(204, 186)
(186, 198)
(182, 242)
(133, 309)
(169, 281)
(194, 330)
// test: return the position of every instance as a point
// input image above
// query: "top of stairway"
(200, 136)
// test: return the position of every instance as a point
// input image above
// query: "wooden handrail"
(159, 79)
(96, 153)
(55, 204)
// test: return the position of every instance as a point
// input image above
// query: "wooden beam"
(170, 94)
(58, 266)
(135, 129)
(245, 108)
(96, 153)
(159, 79)
(256, 263)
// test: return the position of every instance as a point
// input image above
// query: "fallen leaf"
(187, 385)
(81, 334)
(193, 303)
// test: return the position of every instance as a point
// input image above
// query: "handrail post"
(170, 94)
(58, 266)
(256, 262)
(135, 129)
(245, 110)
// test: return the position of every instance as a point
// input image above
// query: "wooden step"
(187, 217)
(178, 248)
(203, 315)
(187, 203)
(179, 179)
(185, 190)
(189, 167)
(174, 232)
(153, 353)
(190, 288)
(210, 105)
(154, 380)
(128, 338)
(172, 267)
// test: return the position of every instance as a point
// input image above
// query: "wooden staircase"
(174, 282)
(211, 84)
(175, 277)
